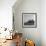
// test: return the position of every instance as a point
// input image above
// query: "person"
(18, 40)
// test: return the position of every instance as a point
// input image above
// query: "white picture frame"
(29, 20)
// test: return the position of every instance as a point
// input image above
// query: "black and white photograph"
(29, 20)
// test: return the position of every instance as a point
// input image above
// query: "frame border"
(35, 18)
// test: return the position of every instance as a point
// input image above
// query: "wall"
(29, 6)
(6, 13)
(43, 22)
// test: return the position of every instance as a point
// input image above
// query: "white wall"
(29, 6)
(6, 13)
(43, 22)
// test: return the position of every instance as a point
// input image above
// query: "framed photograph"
(29, 20)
